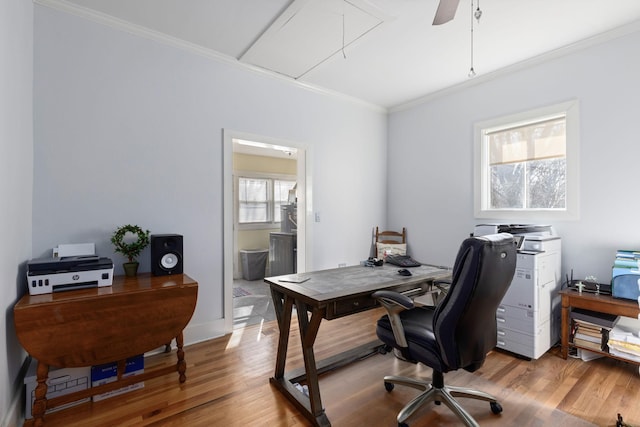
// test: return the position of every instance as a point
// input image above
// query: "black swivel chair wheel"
(384, 349)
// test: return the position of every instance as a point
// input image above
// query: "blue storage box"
(626, 286)
(102, 374)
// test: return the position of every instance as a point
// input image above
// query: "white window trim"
(572, 212)
(254, 174)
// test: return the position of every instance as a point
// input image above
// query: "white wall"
(129, 130)
(430, 147)
(16, 178)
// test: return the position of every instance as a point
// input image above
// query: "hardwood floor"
(228, 385)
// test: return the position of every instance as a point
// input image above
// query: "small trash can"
(254, 263)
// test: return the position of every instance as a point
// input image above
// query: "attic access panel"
(309, 32)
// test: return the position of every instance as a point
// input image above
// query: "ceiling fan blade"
(446, 11)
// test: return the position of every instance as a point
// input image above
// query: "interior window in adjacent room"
(526, 165)
(281, 189)
(253, 197)
(260, 199)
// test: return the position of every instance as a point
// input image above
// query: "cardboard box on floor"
(61, 381)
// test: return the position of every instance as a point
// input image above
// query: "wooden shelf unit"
(599, 303)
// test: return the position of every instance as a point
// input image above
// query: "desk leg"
(564, 328)
(310, 407)
(283, 306)
(182, 365)
(40, 403)
(308, 334)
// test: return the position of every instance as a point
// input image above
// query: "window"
(526, 165)
(281, 196)
(253, 195)
(260, 199)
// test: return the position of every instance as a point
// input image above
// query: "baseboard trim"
(204, 331)
(14, 416)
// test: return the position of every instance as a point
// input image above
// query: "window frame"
(271, 203)
(570, 110)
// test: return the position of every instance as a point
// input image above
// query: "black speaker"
(166, 254)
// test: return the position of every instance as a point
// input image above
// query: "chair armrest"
(395, 303)
(392, 297)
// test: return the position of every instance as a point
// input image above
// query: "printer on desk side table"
(73, 267)
(529, 315)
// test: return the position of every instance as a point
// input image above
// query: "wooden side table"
(593, 302)
(101, 325)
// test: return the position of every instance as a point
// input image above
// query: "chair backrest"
(465, 320)
(391, 236)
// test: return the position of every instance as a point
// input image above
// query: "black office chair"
(459, 331)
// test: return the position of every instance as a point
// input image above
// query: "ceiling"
(383, 52)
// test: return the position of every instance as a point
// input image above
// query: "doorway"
(253, 160)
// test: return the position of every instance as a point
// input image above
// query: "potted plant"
(130, 248)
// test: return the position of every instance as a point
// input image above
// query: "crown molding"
(522, 65)
(138, 30)
(108, 20)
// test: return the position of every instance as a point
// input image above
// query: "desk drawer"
(350, 306)
(344, 307)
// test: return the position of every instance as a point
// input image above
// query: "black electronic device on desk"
(590, 287)
(402, 261)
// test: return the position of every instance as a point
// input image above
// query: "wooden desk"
(102, 325)
(593, 302)
(330, 294)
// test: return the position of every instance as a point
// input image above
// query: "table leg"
(310, 406)
(564, 328)
(283, 306)
(121, 367)
(308, 334)
(40, 403)
(181, 365)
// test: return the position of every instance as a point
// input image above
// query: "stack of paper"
(624, 341)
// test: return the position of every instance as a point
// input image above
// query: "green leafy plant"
(132, 249)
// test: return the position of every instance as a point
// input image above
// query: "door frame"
(229, 231)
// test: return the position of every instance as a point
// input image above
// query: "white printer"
(528, 317)
(47, 275)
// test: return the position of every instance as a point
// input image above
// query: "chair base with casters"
(435, 391)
